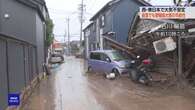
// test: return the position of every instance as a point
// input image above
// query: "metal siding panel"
(30, 64)
(16, 67)
(34, 63)
(3, 76)
(123, 18)
(27, 70)
(92, 37)
(108, 21)
(21, 24)
(0, 14)
(40, 43)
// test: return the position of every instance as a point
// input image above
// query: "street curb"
(27, 92)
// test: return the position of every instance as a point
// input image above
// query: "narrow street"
(70, 88)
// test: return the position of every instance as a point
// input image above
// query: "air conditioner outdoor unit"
(164, 45)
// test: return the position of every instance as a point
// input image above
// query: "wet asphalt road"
(70, 88)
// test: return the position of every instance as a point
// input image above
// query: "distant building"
(74, 47)
(56, 44)
(57, 47)
(115, 17)
(22, 44)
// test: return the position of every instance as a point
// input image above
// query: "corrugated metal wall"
(123, 16)
(3, 75)
(26, 65)
(18, 67)
(34, 63)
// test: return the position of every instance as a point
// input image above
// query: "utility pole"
(81, 9)
(65, 35)
(68, 29)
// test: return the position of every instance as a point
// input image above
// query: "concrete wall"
(21, 23)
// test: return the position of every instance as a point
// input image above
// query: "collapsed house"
(160, 39)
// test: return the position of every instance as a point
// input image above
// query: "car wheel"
(116, 72)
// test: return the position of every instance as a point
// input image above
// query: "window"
(116, 56)
(94, 27)
(95, 56)
(104, 57)
(102, 21)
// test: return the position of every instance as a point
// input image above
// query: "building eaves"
(88, 26)
(42, 2)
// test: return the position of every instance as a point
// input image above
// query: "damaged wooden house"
(171, 44)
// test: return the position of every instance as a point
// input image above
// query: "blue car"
(108, 61)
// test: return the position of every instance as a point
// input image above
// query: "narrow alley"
(70, 88)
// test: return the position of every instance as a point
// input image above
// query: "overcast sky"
(60, 10)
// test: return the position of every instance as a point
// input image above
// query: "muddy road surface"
(70, 88)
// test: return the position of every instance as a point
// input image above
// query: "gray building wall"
(93, 40)
(21, 61)
(118, 19)
(108, 21)
(24, 24)
(21, 23)
(123, 17)
(40, 43)
(92, 37)
(0, 14)
(16, 67)
(3, 75)
(89, 35)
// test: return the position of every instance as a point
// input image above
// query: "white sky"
(60, 10)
